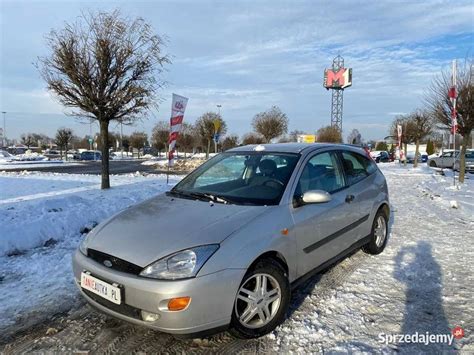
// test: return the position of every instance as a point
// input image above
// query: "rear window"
(357, 167)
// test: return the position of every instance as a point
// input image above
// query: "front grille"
(123, 308)
(117, 263)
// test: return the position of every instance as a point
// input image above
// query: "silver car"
(226, 245)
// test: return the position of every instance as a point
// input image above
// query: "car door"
(446, 160)
(318, 227)
(362, 190)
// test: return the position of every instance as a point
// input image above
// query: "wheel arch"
(276, 256)
(385, 208)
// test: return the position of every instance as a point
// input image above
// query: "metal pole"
(454, 126)
(121, 138)
(215, 140)
(90, 135)
(4, 137)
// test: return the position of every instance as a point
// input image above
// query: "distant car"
(91, 155)
(381, 156)
(422, 157)
(469, 165)
(445, 160)
(4, 155)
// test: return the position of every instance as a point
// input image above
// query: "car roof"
(291, 147)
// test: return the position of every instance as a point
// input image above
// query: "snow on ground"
(41, 218)
(422, 282)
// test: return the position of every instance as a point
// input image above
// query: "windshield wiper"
(202, 196)
(211, 197)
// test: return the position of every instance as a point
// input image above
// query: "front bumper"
(212, 297)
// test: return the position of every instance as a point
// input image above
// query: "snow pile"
(29, 156)
(42, 216)
(180, 165)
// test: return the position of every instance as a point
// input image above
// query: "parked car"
(445, 160)
(422, 157)
(5, 156)
(381, 156)
(469, 162)
(224, 247)
(90, 155)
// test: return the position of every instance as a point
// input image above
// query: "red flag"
(452, 94)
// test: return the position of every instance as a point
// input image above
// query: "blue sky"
(250, 55)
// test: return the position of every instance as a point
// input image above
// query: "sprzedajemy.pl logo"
(422, 338)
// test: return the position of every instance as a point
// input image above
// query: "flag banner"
(399, 131)
(178, 106)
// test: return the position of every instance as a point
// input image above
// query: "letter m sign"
(337, 79)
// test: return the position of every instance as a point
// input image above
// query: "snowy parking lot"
(421, 284)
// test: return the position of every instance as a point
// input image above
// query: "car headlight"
(180, 265)
(84, 243)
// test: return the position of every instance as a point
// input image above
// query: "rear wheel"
(262, 300)
(379, 234)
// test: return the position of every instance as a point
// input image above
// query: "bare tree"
(422, 126)
(441, 106)
(252, 138)
(354, 137)
(230, 142)
(293, 136)
(160, 136)
(104, 67)
(270, 124)
(186, 138)
(63, 138)
(408, 130)
(27, 139)
(329, 134)
(138, 140)
(206, 129)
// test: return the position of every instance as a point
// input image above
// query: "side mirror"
(315, 196)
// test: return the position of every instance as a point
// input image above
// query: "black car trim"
(302, 279)
(333, 236)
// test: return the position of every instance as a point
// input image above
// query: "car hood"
(163, 225)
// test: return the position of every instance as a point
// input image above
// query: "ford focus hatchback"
(224, 247)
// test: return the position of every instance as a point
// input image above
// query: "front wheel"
(262, 300)
(433, 164)
(379, 234)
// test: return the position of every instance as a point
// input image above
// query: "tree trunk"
(405, 153)
(104, 135)
(208, 148)
(61, 153)
(462, 161)
(66, 152)
(415, 162)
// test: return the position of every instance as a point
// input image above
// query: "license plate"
(101, 288)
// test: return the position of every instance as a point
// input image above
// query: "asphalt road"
(94, 168)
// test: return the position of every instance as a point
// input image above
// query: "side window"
(356, 167)
(321, 172)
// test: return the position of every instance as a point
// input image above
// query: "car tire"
(433, 164)
(261, 303)
(378, 235)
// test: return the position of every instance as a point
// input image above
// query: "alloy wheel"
(380, 231)
(258, 300)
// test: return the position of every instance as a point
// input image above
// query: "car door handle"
(350, 198)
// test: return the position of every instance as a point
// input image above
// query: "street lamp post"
(215, 136)
(4, 136)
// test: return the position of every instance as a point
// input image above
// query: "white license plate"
(101, 288)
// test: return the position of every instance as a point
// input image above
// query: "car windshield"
(248, 178)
